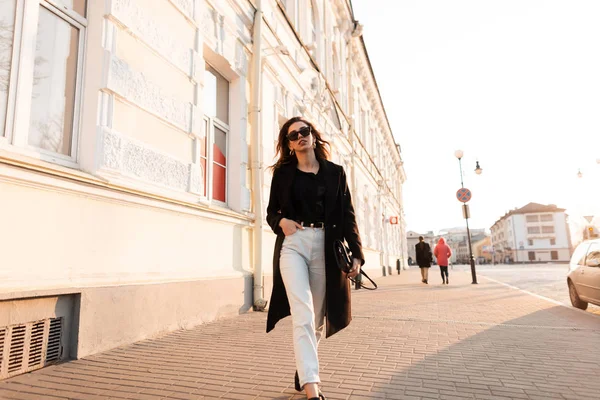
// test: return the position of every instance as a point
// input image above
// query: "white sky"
(513, 83)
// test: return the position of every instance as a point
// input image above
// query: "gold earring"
(292, 152)
(314, 145)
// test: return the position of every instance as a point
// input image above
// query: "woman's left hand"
(355, 270)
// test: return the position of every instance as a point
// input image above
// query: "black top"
(308, 196)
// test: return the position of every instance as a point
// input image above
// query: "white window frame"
(210, 136)
(16, 137)
(211, 123)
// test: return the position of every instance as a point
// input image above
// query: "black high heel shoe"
(321, 397)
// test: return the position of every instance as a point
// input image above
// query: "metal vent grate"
(53, 351)
(25, 347)
(17, 348)
(37, 343)
(2, 336)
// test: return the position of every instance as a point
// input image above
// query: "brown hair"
(283, 149)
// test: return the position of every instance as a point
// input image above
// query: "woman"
(309, 208)
(443, 253)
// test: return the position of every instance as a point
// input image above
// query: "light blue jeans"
(302, 265)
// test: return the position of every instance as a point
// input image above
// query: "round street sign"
(463, 195)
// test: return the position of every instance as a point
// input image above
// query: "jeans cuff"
(311, 379)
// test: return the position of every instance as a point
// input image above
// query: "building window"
(548, 229)
(314, 23)
(552, 242)
(291, 7)
(49, 76)
(554, 255)
(533, 230)
(593, 256)
(530, 242)
(547, 217)
(533, 218)
(213, 150)
(7, 33)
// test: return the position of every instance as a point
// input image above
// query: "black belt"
(319, 225)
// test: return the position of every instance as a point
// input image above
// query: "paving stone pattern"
(407, 341)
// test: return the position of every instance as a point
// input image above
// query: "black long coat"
(340, 223)
(424, 256)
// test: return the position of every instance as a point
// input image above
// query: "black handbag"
(343, 258)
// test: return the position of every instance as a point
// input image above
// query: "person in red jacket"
(442, 253)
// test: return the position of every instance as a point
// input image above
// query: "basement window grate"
(37, 342)
(17, 348)
(2, 336)
(30, 346)
(53, 351)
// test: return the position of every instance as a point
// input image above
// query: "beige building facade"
(533, 233)
(135, 141)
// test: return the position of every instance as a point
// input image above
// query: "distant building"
(482, 250)
(454, 237)
(462, 253)
(533, 233)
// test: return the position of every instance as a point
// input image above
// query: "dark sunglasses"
(295, 135)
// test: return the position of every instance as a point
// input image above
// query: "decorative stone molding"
(241, 59)
(136, 88)
(131, 158)
(208, 25)
(134, 18)
(196, 181)
(185, 6)
(220, 20)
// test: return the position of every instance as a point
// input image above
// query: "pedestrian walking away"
(442, 253)
(424, 258)
(310, 207)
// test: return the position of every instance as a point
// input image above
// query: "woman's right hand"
(289, 227)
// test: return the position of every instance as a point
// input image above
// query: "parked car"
(584, 275)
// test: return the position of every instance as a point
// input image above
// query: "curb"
(540, 296)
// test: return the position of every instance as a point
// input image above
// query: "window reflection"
(216, 95)
(593, 256)
(76, 5)
(219, 165)
(53, 96)
(7, 28)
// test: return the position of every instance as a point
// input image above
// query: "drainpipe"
(259, 302)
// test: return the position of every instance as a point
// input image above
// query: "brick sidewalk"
(407, 341)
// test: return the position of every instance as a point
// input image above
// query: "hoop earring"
(292, 152)
(314, 145)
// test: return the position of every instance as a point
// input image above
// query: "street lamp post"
(459, 154)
